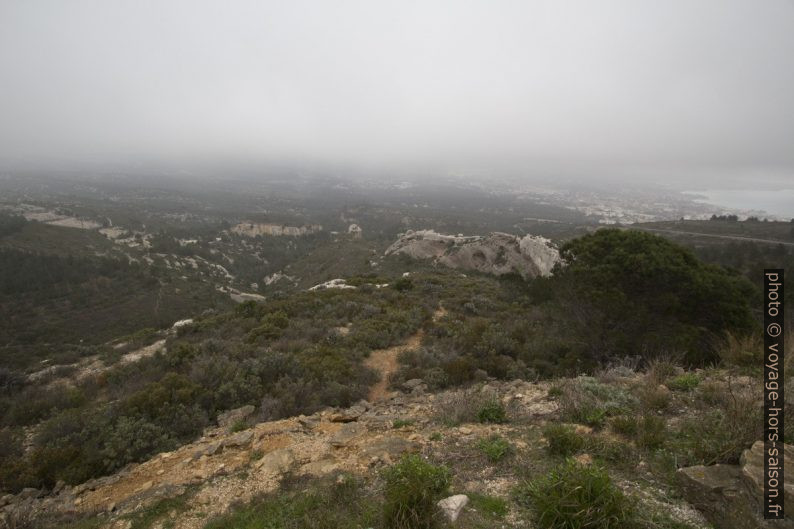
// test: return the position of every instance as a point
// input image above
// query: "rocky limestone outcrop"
(497, 253)
(731, 496)
(252, 229)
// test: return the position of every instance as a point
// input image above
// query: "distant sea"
(775, 202)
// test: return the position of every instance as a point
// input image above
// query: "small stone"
(464, 430)
(30, 492)
(453, 506)
(240, 439)
(349, 415)
(276, 462)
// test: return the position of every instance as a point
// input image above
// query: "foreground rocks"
(731, 496)
(224, 467)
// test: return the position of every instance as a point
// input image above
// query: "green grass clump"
(412, 488)
(401, 423)
(492, 412)
(563, 439)
(584, 400)
(652, 432)
(574, 496)
(495, 448)
(238, 426)
(625, 425)
(685, 382)
(490, 506)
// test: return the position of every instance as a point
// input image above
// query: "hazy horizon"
(695, 93)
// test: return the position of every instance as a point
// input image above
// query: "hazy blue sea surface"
(775, 202)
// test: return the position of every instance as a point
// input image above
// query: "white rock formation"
(496, 253)
(355, 230)
(252, 229)
(333, 283)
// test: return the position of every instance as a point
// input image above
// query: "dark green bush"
(641, 292)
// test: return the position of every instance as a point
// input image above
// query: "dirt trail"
(384, 361)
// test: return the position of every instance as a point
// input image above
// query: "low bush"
(563, 439)
(661, 369)
(492, 412)
(652, 432)
(412, 488)
(654, 398)
(585, 400)
(685, 382)
(463, 406)
(625, 425)
(574, 496)
(495, 448)
(744, 351)
(721, 432)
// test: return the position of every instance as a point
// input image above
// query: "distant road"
(730, 237)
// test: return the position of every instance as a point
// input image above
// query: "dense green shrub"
(629, 292)
(412, 488)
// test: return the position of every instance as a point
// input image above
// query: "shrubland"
(624, 303)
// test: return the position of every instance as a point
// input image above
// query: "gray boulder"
(731, 496)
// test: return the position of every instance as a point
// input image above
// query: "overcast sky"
(629, 87)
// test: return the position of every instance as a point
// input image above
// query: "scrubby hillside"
(480, 375)
(497, 443)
